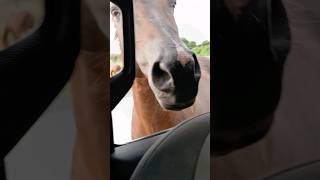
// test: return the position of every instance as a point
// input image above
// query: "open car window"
(191, 39)
(116, 60)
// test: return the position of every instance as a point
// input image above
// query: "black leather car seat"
(181, 154)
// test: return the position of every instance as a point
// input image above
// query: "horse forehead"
(152, 10)
(153, 4)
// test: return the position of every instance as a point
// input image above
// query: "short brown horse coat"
(114, 69)
(149, 117)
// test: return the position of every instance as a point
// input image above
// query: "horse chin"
(175, 106)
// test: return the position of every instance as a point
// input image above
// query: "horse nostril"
(161, 78)
(189, 65)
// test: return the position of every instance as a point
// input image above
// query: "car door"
(34, 69)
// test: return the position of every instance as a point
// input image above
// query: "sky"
(192, 18)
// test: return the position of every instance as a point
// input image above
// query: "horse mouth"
(175, 101)
(177, 106)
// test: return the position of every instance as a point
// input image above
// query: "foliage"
(202, 49)
(114, 58)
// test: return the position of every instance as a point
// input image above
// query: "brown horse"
(165, 90)
(114, 69)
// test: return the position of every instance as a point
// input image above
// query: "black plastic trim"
(122, 82)
(126, 157)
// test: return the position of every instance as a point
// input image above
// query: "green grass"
(202, 49)
(115, 59)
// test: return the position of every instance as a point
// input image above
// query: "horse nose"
(162, 78)
(184, 57)
(183, 72)
(189, 64)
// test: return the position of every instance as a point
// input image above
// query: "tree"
(185, 41)
(206, 42)
(189, 44)
(192, 44)
(202, 49)
(114, 58)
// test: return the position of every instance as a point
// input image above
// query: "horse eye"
(173, 4)
(115, 13)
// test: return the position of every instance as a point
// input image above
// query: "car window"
(172, 67)
(116, 62)
(19, 19)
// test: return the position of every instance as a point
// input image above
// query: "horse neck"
(148, 115)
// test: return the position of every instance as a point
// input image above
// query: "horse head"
(172, 69)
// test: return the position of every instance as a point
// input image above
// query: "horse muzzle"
(175, 82)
